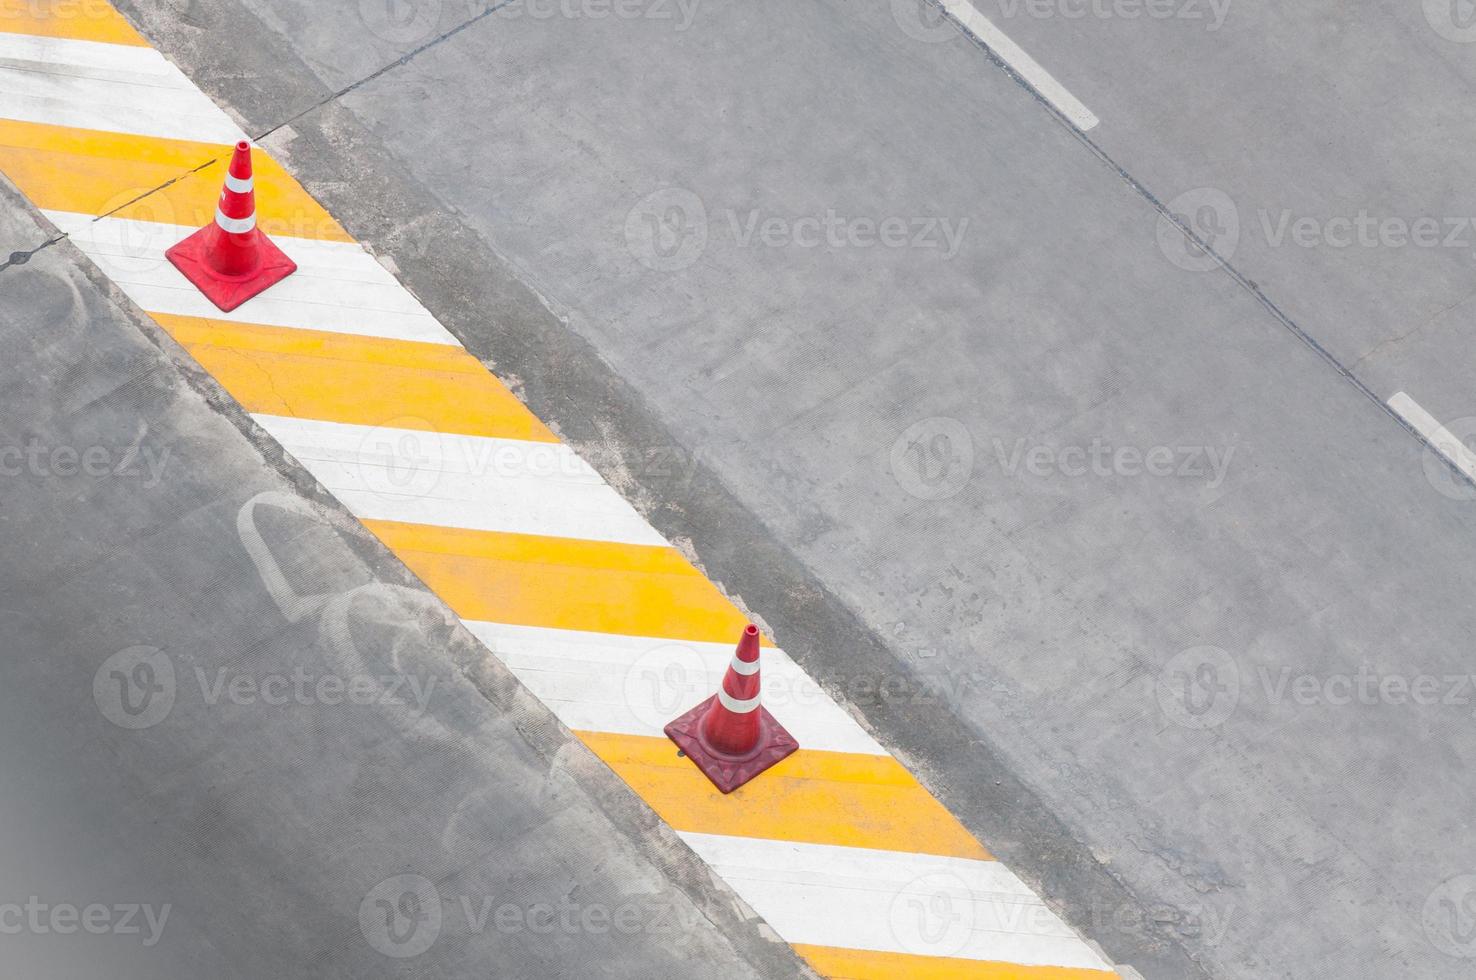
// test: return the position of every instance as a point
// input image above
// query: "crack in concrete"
(397, 63)
(21, 257)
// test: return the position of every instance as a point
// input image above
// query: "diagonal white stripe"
(113, 87)
(338, 287)
(892, 901)
(634, 685)
(391, 473)
(1025, 66)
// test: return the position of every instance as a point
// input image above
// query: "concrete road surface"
(237, 742)
(1179, 610)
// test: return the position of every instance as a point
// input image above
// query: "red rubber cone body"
(731, 736)
(230, 260)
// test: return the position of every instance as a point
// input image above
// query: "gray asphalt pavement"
(236, 740)
(965, 410)
(1320, 147)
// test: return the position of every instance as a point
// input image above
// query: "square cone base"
(729, 772)
(229, 292)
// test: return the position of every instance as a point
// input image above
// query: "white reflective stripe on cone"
(744, 667)
(239, 184)
(739, 706)
(235, 225)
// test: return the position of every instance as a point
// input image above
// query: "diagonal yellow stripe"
(861, 964)
(811, 797)
(81, 20)
(597, 586)
(333, 377)
(821, 797)
(88, 171)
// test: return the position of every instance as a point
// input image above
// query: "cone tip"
(750, 630)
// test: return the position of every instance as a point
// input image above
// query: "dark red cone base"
(728, 772)
(229, 292)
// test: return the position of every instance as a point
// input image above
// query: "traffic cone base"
(229, 292)
(728, 772)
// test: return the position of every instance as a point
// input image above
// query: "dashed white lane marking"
(826, 895)
(415, 476)
(1025, 66)
(338, 287)
(1442, 439)
(633, 685)
(112, 87)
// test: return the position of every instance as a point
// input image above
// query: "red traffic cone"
(230, 260)
(731, 736)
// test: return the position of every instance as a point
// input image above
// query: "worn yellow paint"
(87, 171)
(80, 20)
(839, 798)
(861, 964)
(332, 377)
(529, 580)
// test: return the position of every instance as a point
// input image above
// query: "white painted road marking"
(338, 287)
(112, 87)
(416, 476)
(1442, 439)
(895, 902)
(633, 685)
(1025, 66)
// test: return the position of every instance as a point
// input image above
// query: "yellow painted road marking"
(335, 377)
(811, 797)
(563, 583)
(87, 171)
(861, 964)
(80, 20)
